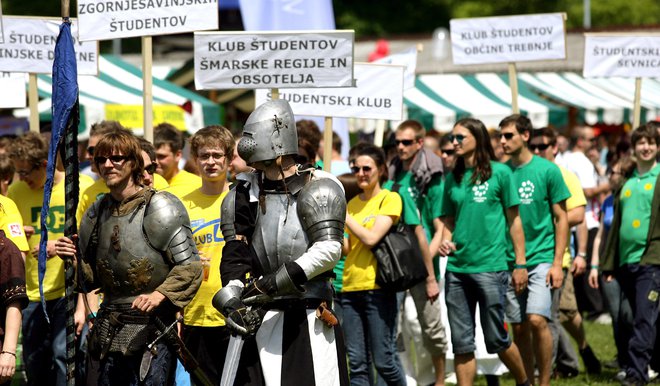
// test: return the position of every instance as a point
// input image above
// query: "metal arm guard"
(167, 227)
(225, 299)
(322, 210)
(227, 216)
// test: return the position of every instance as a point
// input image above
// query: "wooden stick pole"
(637, 106)
(274, 94)
(147, 89)
(33, 99)
(327, 144)
(513, 84)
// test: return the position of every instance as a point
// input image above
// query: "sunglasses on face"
(448, 151)
(404, 142)
(540, 146)
(115, 159)
(458, 137)
(151, 168)
(365, 169)
(506, 136)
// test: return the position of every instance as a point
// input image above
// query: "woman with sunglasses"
(370, 313)
(479, 205)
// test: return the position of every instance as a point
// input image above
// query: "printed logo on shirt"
(526, 191)
(479, 192)
(15, 230)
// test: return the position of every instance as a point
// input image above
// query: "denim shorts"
(535, 299)
(463, 291)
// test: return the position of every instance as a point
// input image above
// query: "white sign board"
(13, 90)
(508, 39)
(621, 56)
(2, 31)
(408, 59)
(104, 20)
(378, 95)
(30, 46)
(226, 60)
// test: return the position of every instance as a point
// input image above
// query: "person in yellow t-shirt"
(11, 222)
(169, 142)
(369, 311)
(44, 344)
(204, 331)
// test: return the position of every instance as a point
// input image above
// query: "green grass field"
(602, 342)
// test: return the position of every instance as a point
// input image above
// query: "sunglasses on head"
(458, 137)
(506, 136)
(404, 142)
(356, 169)
(540, 146)
(151, 168)
(448, 151)
(115, 159)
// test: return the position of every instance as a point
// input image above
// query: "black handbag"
(400, 263)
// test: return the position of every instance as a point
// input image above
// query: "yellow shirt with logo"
(183, 183)
(576, 199)
(360, 264)
(11, 222)
(204, 213)
(29, 204)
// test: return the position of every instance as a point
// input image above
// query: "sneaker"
(603, 318)
(591, 363)
(620, 376)
(652, 374)
(563, 372)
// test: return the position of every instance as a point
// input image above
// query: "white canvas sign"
(621, 56)
(13, 90)
(2, 31)
(378, 95)
(103, 20)
(30, 46)
(226, 60)
(508, 39)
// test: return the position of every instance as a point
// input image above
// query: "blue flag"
(282, 15)
(65, 100)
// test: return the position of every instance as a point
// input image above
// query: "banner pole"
(274, 94)
(147, 89)
(327, 144)
(33, 100)
(513, 84)
(379, 133)
(637, 106)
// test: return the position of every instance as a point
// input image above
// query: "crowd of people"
(248, 239)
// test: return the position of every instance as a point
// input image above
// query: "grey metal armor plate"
(322, 210)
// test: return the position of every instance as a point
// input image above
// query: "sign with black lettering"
(621, 56)
(293, 59)
(519, 38)
(13, 90)
(112, 19)
(378, 94)
(30, 46)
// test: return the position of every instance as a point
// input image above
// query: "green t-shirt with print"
(539, 184)
(409, 213)
(479, 212)
(635, 200)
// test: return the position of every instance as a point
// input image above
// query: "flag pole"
(147, 89)
(33, 101)
(327, 144)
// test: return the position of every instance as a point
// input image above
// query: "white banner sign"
(2, 30)
(621, 56)
(13, 90)
(30, 46)
(226, 60)
(103, 20)
(508, 39)
(378, 95)
(408, 59)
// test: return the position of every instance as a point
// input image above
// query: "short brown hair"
(167, 134)
(7, 169)
(521, 123)
(547, 132)
(645, 131)
(31, 147)
(100, 128)
(214, 135)
(309, 130)
(128, 145)
(415, 125)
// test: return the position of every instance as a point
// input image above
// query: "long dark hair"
(375, 153)
(483, 152)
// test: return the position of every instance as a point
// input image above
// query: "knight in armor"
(283, 226)
(136, 248)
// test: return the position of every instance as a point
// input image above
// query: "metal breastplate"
(277, 241)
(126, 263)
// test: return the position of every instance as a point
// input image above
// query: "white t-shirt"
(579, 164)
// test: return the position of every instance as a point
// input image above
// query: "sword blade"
(231, 360)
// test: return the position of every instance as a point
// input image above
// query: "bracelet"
(582, 254)
(520, 266)
(8, 352)
(594, 266)
(91, 315)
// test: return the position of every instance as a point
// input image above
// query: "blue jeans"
(641, 285)
(370, 331)
(462, 293)
(622, 319)
(118, 369)
(44, 345)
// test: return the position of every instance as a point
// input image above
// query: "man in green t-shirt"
(419, 173)
(543, 195)
(632, 252)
